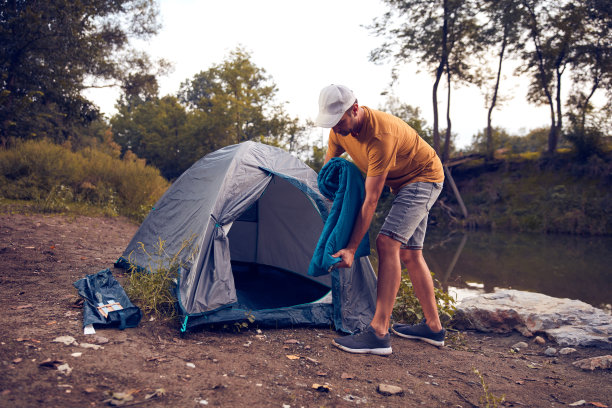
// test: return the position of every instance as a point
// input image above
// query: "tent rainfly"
(251, 215)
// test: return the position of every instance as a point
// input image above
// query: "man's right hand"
(347, 255)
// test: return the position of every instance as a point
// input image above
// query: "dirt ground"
(152, 365)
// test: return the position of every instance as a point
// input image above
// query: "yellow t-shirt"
(387, 142)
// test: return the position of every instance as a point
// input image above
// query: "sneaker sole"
(425, 339)
(377, 351)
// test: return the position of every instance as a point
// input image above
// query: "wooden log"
(449, 177)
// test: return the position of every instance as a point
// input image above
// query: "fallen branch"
(466, 400)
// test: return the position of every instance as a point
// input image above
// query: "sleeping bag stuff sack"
(340, 181)
(105, 302)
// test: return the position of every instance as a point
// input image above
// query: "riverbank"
(542, 195)
(43, 256)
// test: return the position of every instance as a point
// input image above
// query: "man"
(390, 153)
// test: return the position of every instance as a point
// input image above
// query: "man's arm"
(373, 188)
(328, 157)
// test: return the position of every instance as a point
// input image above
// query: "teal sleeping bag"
(339, 180)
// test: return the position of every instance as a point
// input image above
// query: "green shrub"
(407, 308)
(56, 179)
(152, 288)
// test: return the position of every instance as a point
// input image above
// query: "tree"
(236, 100)
(591, 63)
(231, 102)
(434, 33)
(554, 29)
(156, 130)
(53, 50)
(502, 32)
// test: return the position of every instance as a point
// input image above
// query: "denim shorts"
(407, 219)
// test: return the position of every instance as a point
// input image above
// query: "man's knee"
(411, 257)
(385, 243)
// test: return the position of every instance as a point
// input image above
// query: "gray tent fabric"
(252, 215)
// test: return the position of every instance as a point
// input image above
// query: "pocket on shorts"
(436, 189)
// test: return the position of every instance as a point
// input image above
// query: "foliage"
(53, 50)
(501, 32)
(550, 195)
(237, 101)
(488, 399)
(548, 41)
(229, 103)
(157, 130)
(153, 288)
(436, 34)
(534, 141)
(56, 179)
(317, 159)
(586, 142)
(408, 309)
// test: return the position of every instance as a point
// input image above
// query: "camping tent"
(252, 215)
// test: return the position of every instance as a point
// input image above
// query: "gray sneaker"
(365, 342)
(420, 332)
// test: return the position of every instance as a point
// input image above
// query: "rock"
(523, 330)
(566, 350)
(583, 336)
(355, 399)
(91, 346)
(520, 345)
(601, 362)
(321, 387)
(540, 340)
(578, 403)
(190, 365)
(386, 389)
(100, 339)
(67, 340)
(65, 369)
(565, 321)
(550, 352)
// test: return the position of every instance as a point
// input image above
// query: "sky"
(304, 46)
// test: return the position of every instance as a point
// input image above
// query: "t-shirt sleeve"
(382, 151)
(333, 148)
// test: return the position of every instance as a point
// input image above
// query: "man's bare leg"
(423, 285)
(389, 277)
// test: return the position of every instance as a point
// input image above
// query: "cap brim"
(328, 121)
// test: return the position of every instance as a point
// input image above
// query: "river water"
(565, 266)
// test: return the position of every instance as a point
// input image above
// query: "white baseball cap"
(334, 100)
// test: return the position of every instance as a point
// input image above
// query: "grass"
(488, 400)
(539, 195)
(151, 287)
(49, 178)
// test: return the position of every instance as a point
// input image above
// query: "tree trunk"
(446, 154)
(436, 132)
(552, 144)
(439, 72)
(535, 36)
(489, 142)
(586, 103)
